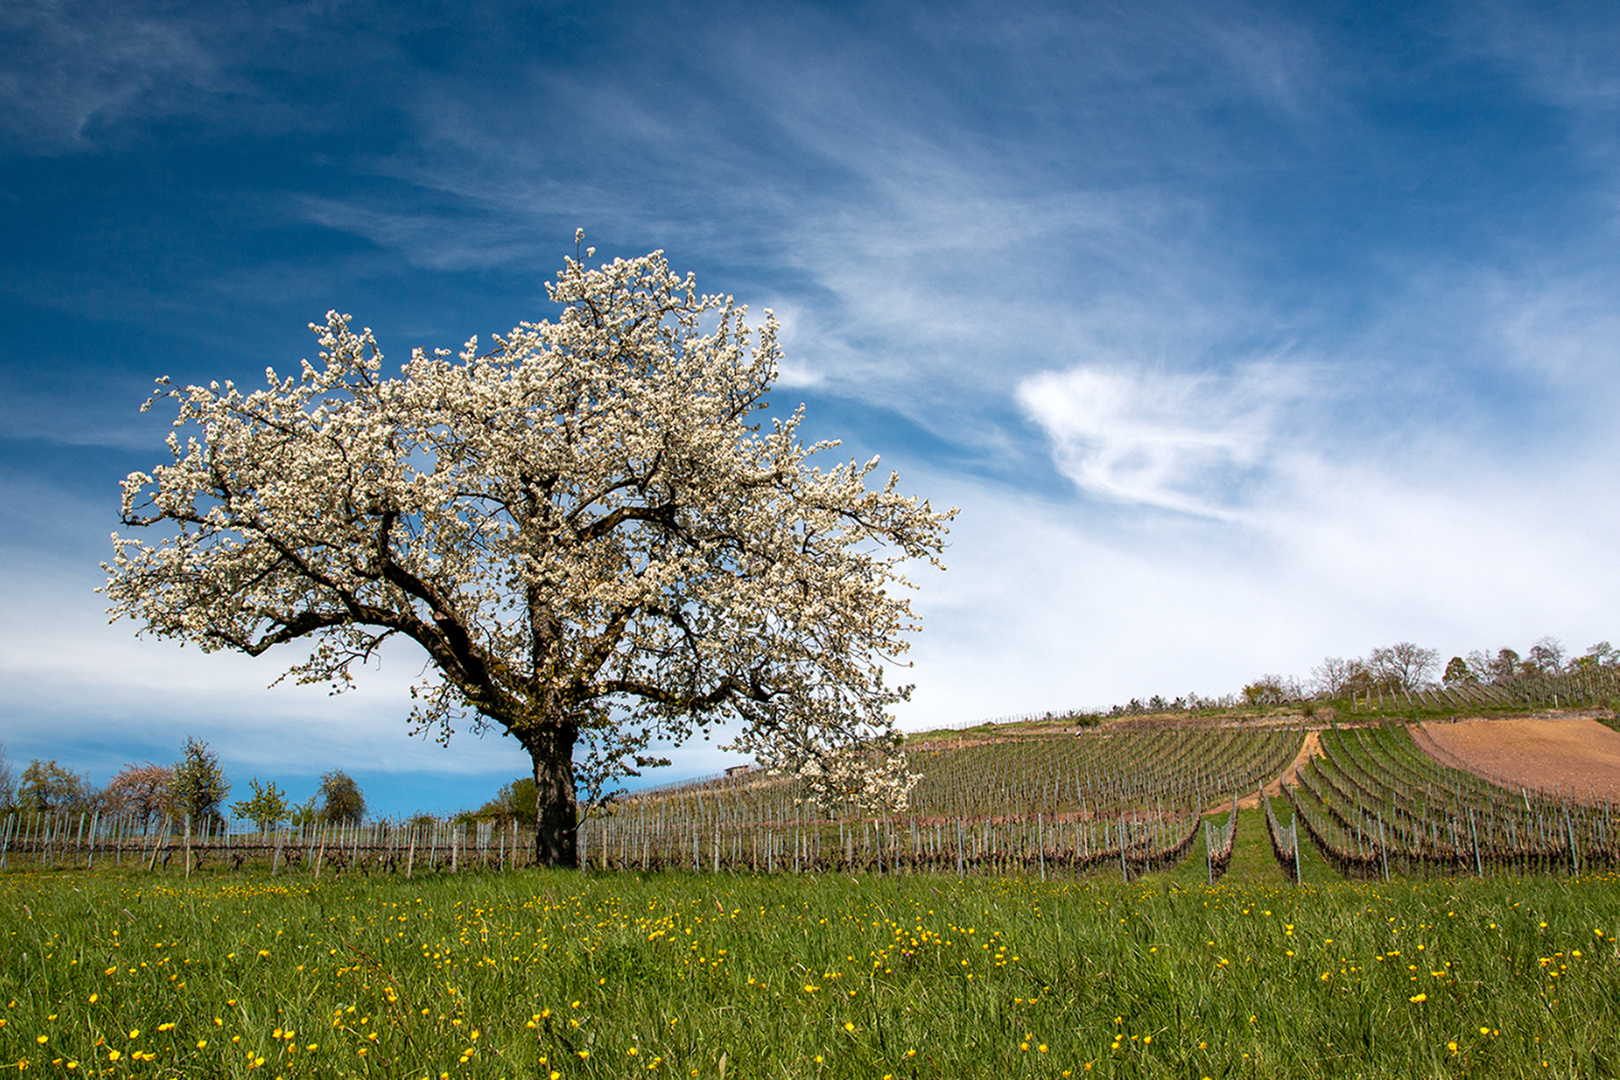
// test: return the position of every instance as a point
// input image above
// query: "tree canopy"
(199, 787)
(147, 790)
(341, 799)
(267, 807)
(587, 527)
(47, 786)
(513, 802)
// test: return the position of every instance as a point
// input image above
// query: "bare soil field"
(1575, 754)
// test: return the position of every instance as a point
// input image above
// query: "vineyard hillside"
(1332, 787)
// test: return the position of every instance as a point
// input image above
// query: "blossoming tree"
(585, 526)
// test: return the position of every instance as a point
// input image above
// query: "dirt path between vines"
(1576, 755)
(1312, 747)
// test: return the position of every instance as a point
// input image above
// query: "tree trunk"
(556, 815)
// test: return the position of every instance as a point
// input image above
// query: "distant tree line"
(1408, 667)
(193, 788)
(1192, 702)
(1404, 666)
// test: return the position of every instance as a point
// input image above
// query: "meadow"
(1055, 903)
(118, 972)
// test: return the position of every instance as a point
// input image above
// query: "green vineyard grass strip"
(1313, 868)
(1252, 859)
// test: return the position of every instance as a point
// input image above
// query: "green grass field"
(545, 974)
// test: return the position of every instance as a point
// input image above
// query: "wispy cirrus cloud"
(1580, 71)
(1175, 441)
(71, 70)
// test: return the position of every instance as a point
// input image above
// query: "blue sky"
(1242, 334)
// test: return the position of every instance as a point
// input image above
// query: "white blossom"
(586, 525)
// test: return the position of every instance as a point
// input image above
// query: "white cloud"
(1052, 604)
(1222, 533)
(1178, 441)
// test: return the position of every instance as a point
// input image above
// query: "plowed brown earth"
(1577, 755)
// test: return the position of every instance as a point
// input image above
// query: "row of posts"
(65, 840)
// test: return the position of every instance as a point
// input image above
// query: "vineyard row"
(1527, 692)
(1374, 803)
